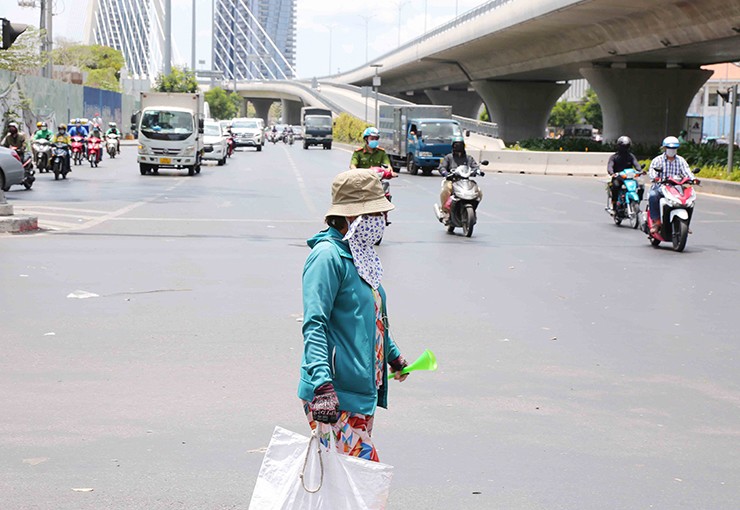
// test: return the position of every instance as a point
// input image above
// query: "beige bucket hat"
(357, 192)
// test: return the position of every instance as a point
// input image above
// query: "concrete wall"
(56, 102)
(544, 163)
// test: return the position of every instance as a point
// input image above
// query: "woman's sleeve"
(322, 276)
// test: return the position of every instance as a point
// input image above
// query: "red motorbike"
(385, 174)
(230, 145)
(78, 148)
(94, 150)
(676, 209)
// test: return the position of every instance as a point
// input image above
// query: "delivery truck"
(170, 128)
(417, 136)
(317, 124)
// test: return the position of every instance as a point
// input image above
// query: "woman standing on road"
(347, 345)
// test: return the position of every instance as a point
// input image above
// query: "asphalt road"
(579, 367)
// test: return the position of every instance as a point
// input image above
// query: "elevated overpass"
(641, 57)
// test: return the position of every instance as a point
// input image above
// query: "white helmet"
(671, 142)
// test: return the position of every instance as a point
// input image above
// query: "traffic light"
(10, 32)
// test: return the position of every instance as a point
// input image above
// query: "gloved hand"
(325, 404)
(397, 365)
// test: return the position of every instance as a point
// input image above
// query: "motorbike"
(676, 207)
(628, 201)
(229, 145)
(59, 153)
(385, 174)
(93, 150)
(111, 144)
(464, 200)
(273, 137)
(28, 171)
(42, 150)
(78, 149)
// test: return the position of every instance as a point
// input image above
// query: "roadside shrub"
(348, 129)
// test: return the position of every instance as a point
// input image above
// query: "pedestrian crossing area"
(62, 218)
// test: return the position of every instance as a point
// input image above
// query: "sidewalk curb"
(18, 224)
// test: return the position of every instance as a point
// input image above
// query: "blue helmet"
(671, 142)
(371, 131)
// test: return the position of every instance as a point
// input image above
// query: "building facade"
(254, 39)
(132, 26)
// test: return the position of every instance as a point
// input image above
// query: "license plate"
(165, 161)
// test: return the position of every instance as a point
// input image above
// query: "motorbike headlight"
(672, 201)
(425, 154)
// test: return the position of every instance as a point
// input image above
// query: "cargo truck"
(317, 124)
(170, 127)
(417, 136)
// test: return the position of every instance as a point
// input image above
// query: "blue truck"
(417, 136)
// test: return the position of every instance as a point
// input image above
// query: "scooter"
(42, 151)
(78, 149)
(59, 153)
(111, 144)
(628, 201)
(229, 145)
(28, 171)
(94, 150)
(291, 138)
(464, 200)
(273, 137)
(677, 207)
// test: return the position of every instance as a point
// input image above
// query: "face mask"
(362, 235)
(671, 153)
(373, 144)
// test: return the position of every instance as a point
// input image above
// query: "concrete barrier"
(717, 187)
(547, 163)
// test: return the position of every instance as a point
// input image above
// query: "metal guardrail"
(478, 126)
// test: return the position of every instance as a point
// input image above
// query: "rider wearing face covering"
(669, 164)
(621, 160)
(370, 154)
(451, 161)
(348, 347)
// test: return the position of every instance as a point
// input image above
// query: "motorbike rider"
(63, 137)
(669, 164)
(456, 158)
(621, 160)
(15, 138)
(95, 133)
(113, 130)
(370, 154)
(42, 133)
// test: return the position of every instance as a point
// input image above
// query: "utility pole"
(167, 67)
(733, 116)
(367, 19)
(400, 4)
(376, 86)
(192, 43)
(45, 23)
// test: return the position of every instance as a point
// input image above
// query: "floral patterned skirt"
(351, 433)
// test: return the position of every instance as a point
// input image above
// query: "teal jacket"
(339, 328)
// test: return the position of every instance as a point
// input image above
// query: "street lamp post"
(330, 28)
(367, 19)
(376, 86)
(399, 5)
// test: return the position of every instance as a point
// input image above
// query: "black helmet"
(624, 143)
(458, 144)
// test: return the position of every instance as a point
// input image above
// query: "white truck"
(170, 127)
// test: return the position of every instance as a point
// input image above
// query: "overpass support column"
(464, 102)
(644, 104)
(291, 112)
(520, 108)
(262, 109)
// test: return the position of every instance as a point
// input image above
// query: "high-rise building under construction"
(254, 39)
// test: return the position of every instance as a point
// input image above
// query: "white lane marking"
(301, 184)
(566, 195)
(550, 209)
(70, 209)
(594, 202)
(212, 220)
(715, 213)
(56, 214)
(123, 210)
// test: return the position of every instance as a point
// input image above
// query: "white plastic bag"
(330, 480)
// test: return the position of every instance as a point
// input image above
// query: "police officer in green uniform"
(370, 155)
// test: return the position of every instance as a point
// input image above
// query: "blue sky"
(317, 19)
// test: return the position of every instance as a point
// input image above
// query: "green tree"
(591, 110)
(564, 113)
(24, 55)
(101, 63)
(221, 104)
(483, 114)
(180, 79)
